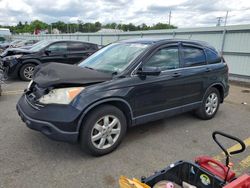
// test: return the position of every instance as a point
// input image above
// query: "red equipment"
(215, 167)
(206, 172)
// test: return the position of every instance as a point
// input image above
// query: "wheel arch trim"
(32, 61)
(102, 101)
(212, 85)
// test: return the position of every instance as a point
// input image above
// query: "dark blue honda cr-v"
(124, 84)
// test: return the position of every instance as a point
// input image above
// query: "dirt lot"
(29, 159)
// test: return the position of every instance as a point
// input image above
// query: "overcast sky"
(185, 13)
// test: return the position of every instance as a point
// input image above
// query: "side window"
(193, 56)
(93, 47)
(212, 57)
(58, 47)
(165, 59)
(77, 46)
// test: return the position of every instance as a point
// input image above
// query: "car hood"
(15, 51)
(52, 74)
(4, 45)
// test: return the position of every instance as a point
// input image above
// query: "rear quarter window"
(212, 56)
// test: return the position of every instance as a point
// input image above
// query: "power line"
(219, 20)
(225, 23)
(169, 18)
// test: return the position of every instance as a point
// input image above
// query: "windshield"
(38, 46)
(114, 58)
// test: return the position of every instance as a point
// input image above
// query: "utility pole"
(219, 21)
(169, 18)
(225, 23)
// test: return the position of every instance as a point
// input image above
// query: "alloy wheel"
(105, 132)
(211, 104)
(28, 72)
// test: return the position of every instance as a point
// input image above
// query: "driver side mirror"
(149, 71)
(47, 52)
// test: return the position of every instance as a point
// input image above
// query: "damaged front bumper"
(10, 67)
(3, 71)
(53, 122)
(2, 76)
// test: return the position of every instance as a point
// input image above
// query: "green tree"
(82, 27)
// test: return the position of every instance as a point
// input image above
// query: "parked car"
(1, 78)
(26, 44)
(21, 62)
(122, 85)
(6, 45)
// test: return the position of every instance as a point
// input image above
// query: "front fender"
(102, 101)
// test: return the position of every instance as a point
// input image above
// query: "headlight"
(8, 58)
(29, 85)
(61, 96)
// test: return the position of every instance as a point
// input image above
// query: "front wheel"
(26, 72)
(210, 104)
(103, 130)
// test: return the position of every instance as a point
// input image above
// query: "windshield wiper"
(88, 68)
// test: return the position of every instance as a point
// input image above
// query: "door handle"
(176, 74)
(208, 69)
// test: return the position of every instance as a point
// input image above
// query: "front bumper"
(10, 67)
(48, 128)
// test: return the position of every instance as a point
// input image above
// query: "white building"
(104, 30)
(4, 32)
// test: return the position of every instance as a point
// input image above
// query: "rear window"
(193, 56)
(212, 57)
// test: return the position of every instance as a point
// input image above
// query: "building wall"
(232, 41)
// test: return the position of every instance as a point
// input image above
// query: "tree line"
(80, 26)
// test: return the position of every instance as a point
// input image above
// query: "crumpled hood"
(15, 51)
(51, 74)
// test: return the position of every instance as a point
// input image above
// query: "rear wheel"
(26, 72)
(103, 130)
(210, 104)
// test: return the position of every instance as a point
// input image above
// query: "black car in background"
(122, 85)
(21, 62)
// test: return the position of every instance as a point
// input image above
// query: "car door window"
(165, 59)
(58, 48)
(77, 46)
(193, 56)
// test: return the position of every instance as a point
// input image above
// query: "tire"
(96, 136)
(210, 104)
(26, 72)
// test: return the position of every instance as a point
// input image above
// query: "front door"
(56, 52)
(154, 94)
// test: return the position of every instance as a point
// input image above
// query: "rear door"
(56, 52)
(79, 51)
(194, 72)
